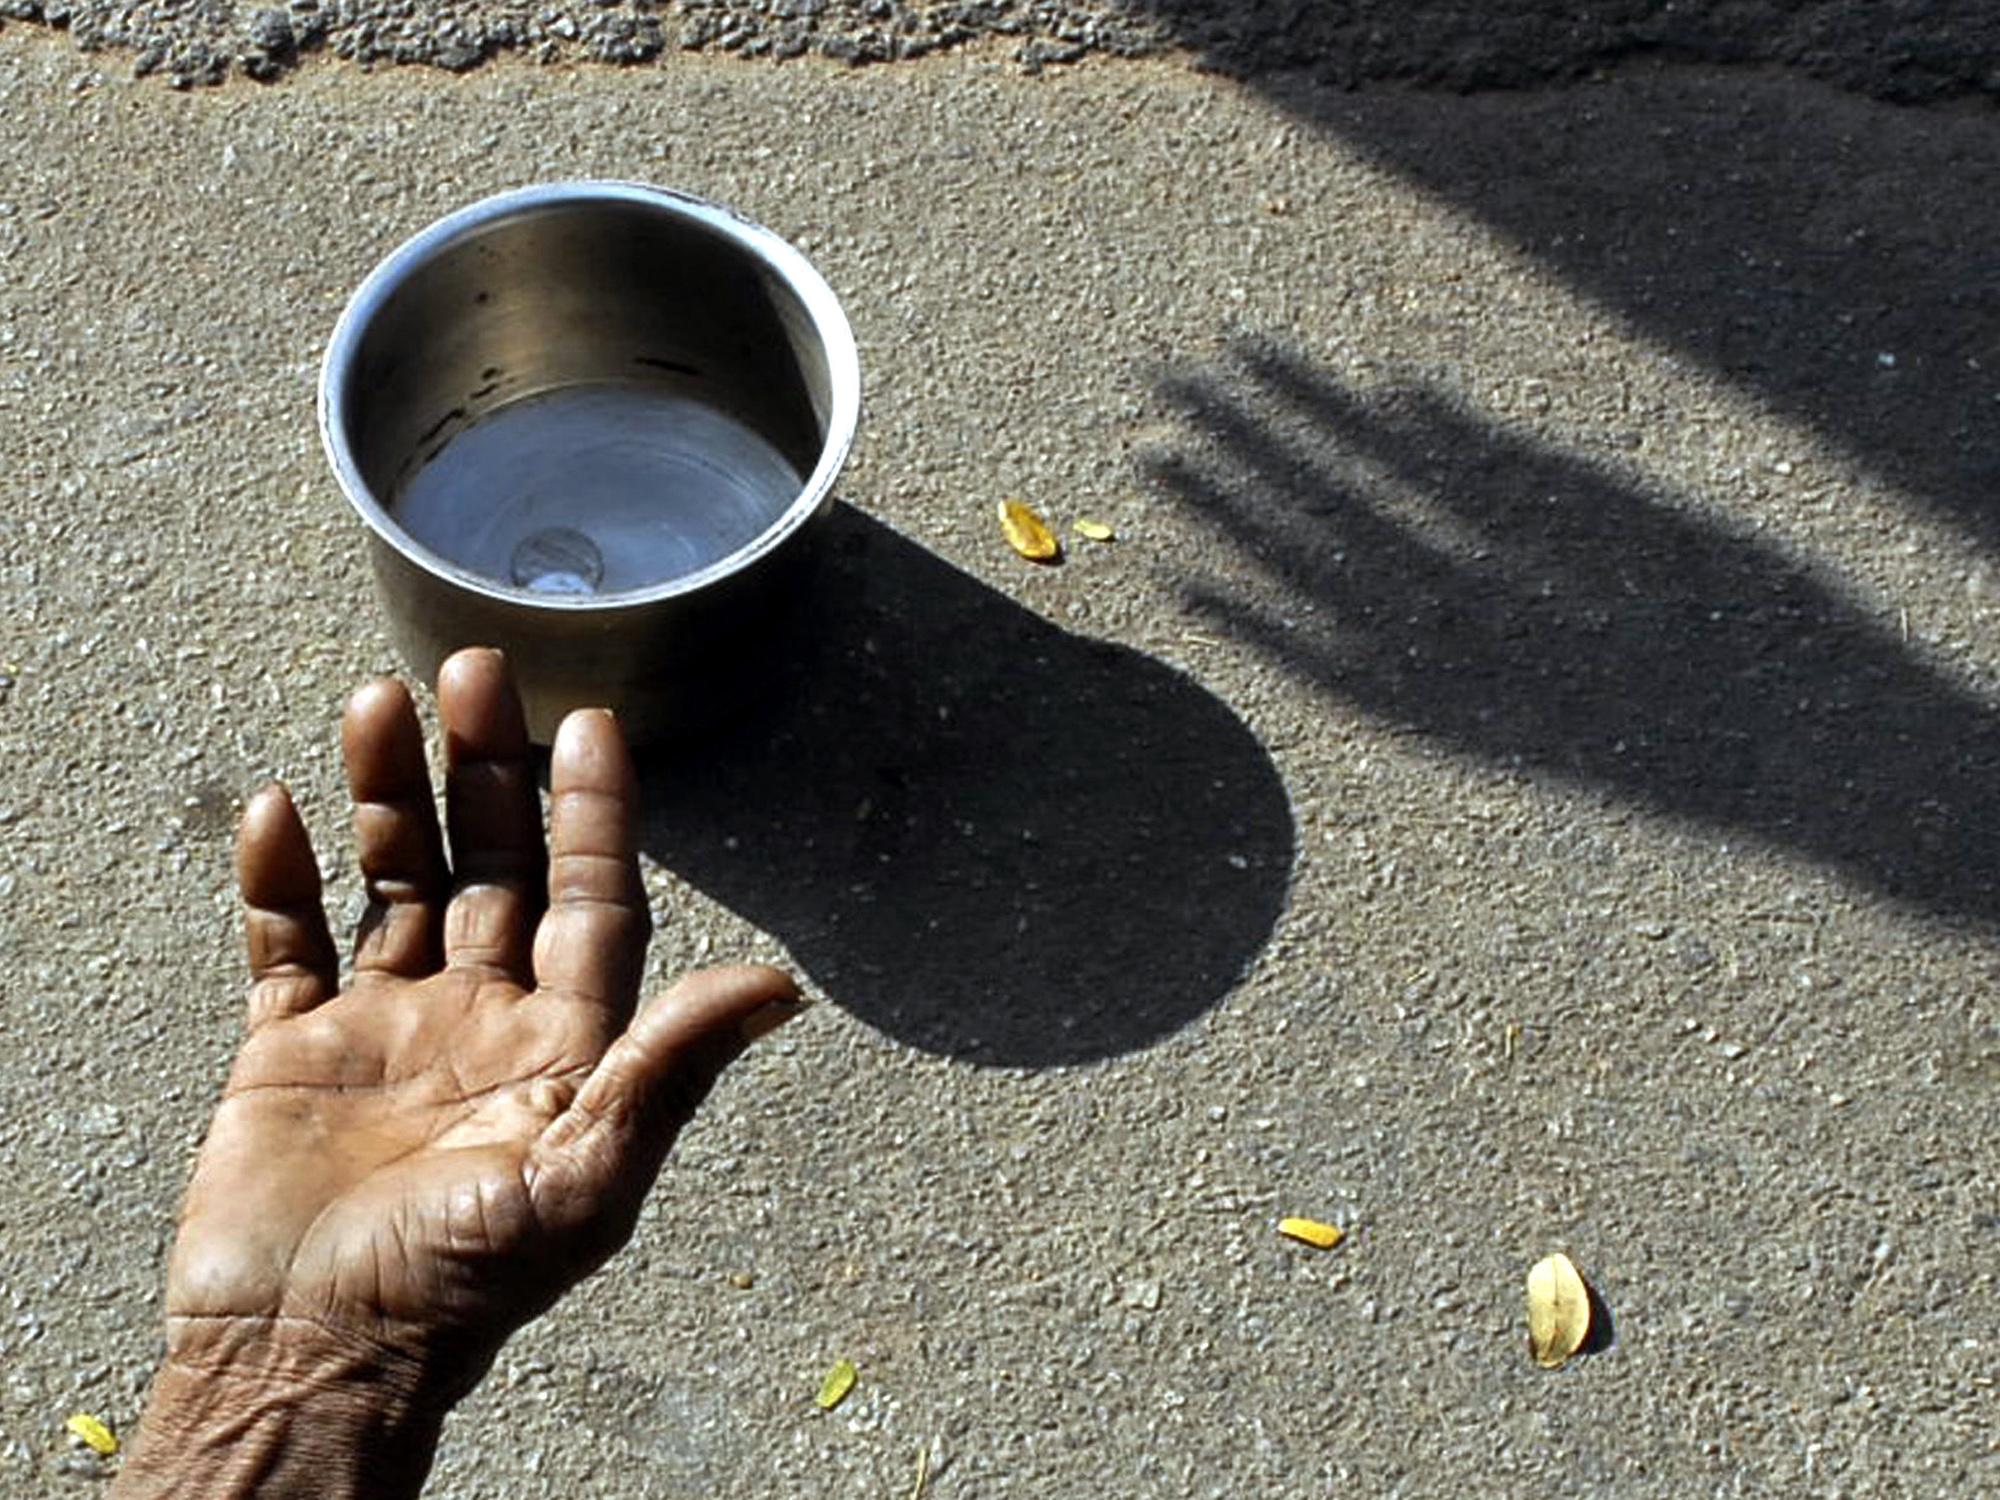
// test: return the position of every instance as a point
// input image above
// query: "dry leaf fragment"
(1312, 1232)
(1027, 533)
(93, 1432)
(1558, 1311)
(839, 1381)
(1092, 530)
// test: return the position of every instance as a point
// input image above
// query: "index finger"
(591, 944)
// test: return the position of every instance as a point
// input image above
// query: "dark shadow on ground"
(1538, 611)
(1603, 1327)
(981, 834)
(1829, 254)
(1835, 256)
(1903, 50)
(1838, 260)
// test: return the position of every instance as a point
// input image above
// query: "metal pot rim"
(828, 321)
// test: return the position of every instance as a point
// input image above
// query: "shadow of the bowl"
(980, 834)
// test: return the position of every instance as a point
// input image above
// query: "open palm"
(413, 1167)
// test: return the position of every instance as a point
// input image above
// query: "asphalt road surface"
(1521, 779)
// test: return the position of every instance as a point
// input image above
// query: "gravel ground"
(1519, 781)
(1905, 50)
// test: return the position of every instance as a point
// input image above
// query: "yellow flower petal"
(93, 1432)
(839, 1381)
(1095, 531)
(1558, 1311)
(1312, 1232)
(1027, 533)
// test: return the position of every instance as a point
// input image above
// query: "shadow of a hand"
(1539, 611)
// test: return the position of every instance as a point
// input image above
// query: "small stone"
(742, 1280)
(1144, 1295)
(271, 32)
(98, 1121)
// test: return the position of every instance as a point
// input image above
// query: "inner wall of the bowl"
(588, 399)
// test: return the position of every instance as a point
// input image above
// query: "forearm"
(274, 1426)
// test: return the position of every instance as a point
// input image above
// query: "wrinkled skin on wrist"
(283, 1411)
(404, 1171)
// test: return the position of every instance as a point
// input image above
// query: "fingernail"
(767, 1018)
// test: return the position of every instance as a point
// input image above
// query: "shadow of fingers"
(1540, 611)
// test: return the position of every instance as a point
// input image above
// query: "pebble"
(1144, 1295)
(98, 1121)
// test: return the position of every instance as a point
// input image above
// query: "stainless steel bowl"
(594, 424)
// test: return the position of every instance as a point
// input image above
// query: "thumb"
(592, 1167)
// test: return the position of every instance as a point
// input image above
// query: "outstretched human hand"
(402, 1173)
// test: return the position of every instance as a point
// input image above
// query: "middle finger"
(493, 818)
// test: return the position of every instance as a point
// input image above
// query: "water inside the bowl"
(596, 489)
